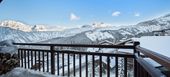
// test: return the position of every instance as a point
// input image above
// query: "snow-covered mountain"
(15, 25)
(36, 34)
(88, 34)
(114, 34)
(33, 36)
(22, 26)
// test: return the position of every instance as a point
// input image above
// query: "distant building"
(163, 32)
(159, 33)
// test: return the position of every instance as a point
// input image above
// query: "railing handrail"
(123, 42)
(149, 68)
(161, 59)
(79, 45)
(81, 52)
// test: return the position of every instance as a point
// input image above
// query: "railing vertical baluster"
(58, 72)
(52, 48)
(74, 65)
(22, 62)
(135, 68)
(93, 65)
(100, 65)
(116, 60)
(43, 61)
(35, 53)
(68, 64)
(39, 61)
(47, 61)
(21, 58)
(141, 75)
(139, 70)
(144, 71)
(108, 66)
(125, 67)
(147, 75)
(86, 65)
(25, 60)
(31, 58)
(28, 58)
(19, 55)
(80, 65)
(63, 64)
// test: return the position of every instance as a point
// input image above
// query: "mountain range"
(87, 34)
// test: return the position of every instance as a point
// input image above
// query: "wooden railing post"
(136, 43)
(135, 61)
(52, 48)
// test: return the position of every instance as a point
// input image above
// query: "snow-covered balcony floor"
(21, 72)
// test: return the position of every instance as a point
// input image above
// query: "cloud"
(136, 14)
(74, 17)
(116, 13)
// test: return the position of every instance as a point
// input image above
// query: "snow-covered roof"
(159, 44)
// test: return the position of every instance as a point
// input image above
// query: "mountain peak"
(39, 28)
(15, 25)
(100, 25)
(167, 15)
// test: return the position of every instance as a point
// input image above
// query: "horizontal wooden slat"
(79, 45)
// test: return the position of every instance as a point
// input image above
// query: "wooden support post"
(52, 48)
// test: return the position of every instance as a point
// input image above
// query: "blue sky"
(79, 12)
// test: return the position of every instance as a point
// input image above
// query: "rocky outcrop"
(8, 58)
(8, 62)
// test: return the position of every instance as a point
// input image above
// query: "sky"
(80, 12)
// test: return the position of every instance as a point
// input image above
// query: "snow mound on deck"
(7, 47)
(21, 72)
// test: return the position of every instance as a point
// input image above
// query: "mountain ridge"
(94, 34)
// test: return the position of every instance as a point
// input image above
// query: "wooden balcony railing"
(91, 64)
